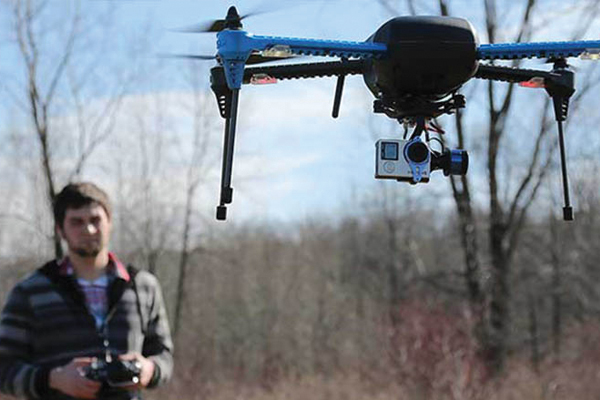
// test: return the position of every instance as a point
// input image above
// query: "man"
(58, 322)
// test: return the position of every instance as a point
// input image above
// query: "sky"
(293, 160)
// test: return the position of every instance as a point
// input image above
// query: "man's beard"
(81, 252)
(86, 250)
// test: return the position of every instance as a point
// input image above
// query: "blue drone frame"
(409, 83)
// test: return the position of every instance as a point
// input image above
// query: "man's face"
(86, 230)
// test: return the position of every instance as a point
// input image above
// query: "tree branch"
(517, 225)
(65, 58)
(544, 128)
(589, 17)
(524, 31)
(386, 5)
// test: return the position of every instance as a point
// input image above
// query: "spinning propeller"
(232, 21)
(254, 58)
(414, 66)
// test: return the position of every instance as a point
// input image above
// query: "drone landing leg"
(227, 168)
(567, 209)
(560, 86)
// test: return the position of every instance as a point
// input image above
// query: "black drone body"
(428, 57)
(414, 66)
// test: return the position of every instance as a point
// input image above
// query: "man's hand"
(69, 379)
(147, 367)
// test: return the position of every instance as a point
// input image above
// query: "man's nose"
(91, 228)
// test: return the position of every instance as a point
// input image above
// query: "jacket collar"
(114, 268)
(57, 272)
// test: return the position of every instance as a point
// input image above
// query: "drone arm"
(234, 47)
(510, 51)
(509, 74)
(559, 83)
(290, 71)
(307, 70)
(317, 47)
(341, 69)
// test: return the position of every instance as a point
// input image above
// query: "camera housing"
(403, 160)
(114, 372)
(413, 161)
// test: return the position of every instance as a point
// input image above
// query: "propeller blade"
(233, 18)
(253, 14)
(216, 26)
(210, 26)
(190, 56)
(255, 58)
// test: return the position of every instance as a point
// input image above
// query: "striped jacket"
(45, 323)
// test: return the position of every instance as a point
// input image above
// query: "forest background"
(322, 283)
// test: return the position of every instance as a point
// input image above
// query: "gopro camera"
(403, 160)
(413, 161)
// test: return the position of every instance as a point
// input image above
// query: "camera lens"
(417, 152)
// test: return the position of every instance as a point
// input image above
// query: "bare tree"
(150, 191)
(40, 98)
(53, 74)
(195, 177)
(508, 209)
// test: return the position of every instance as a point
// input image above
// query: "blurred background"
(322, 283)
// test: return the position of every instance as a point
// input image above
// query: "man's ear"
(59, 231)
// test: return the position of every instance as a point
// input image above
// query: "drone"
(413, 65)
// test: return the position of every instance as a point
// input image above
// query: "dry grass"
(430, 357)
(520, 383)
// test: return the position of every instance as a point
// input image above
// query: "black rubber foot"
(221, 213)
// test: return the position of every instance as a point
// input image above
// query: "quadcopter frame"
(235, 48)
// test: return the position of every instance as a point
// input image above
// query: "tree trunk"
(183, 260)
(49, 176)
(556, 289)
(533, 334)
(468, 234)
(392, 271)
(499, 313)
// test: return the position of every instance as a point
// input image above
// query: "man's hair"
(77, 195)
